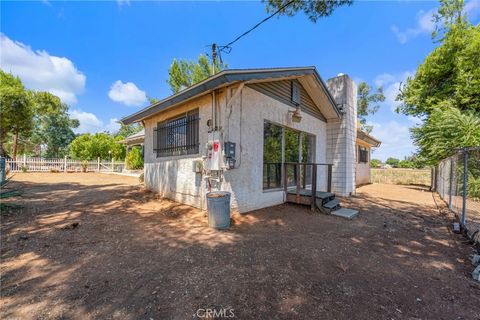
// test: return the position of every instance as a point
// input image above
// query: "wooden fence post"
(113, 166)
(24, 160)
(98, 164)
(65, 164)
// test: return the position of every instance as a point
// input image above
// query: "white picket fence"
(62, 165)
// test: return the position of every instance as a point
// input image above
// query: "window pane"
(292, 154)
(272, 156)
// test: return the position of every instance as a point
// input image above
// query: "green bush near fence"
(401, 176)
(134, 159)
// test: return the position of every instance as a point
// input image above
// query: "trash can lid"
(217, 194)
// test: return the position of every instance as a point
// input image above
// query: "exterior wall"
(362, 171)
(173, 177)
(341, 136)
(242, 123)
(363, 174)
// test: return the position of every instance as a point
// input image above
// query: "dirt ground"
(132, 256)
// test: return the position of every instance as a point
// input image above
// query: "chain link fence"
(457, 181)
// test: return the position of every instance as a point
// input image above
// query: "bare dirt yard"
(97, 246)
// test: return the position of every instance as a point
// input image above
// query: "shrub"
(134, 159)
(473, 190)
(24, 169)
(84, 165)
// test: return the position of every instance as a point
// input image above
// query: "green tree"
(313, 9)
(99, 145)
(128, 130)
(375, 163)
(16, 111)
(183, 73)
(445, 90)
(447, 129)
(392, 162)
(53, 126)
(367, 103)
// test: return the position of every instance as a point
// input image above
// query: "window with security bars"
(177, 136)
(362, 155)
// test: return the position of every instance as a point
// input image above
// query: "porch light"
(296, 115)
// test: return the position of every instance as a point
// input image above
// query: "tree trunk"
(14, 145)
(3, 153)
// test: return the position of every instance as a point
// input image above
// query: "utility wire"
(227, 48)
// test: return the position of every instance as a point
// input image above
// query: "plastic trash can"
(218, 207)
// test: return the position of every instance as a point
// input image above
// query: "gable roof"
(227, 77)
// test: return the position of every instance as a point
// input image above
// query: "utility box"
(214, 160)
(229, 149)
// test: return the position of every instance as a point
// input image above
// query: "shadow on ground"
(133, 256)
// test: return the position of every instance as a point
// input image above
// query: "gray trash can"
(218, 207)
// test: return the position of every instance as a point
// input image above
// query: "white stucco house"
(236, 130)
(365, 144)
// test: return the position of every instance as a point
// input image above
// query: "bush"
(473, 190)
(134, 159)
(24, 169)
(84, 166)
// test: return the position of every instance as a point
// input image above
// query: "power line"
(227, 48)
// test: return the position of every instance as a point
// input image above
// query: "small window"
(362, 154)
(177, 136)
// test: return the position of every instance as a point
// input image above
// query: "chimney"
(342, 135)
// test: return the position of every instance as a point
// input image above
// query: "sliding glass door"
(280, 145)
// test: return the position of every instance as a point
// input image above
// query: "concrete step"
(345, 213)
(332, 204)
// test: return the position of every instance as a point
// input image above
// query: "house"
(364, 144)
(239, 130)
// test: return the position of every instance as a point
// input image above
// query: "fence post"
(24, 160)
(65, 164)
(98, 164)
(433, 182)
(113, 166)
(450, 185)
(465, 187)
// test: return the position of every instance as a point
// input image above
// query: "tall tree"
(53, 127)
(16, 111)
(445, 90)
(128, 130)
(184, 73)
(313, 9)
(367, 103)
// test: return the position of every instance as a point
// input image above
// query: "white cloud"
(41, 71)
(127, 93)
(472, 9)
(395, 138)
(391, 85)
(121, 3)
(425, 25)
(113, 125)
(89, 123)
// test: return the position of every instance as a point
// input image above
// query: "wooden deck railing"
(299, 184)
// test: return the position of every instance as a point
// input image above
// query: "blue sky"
(105, 58)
